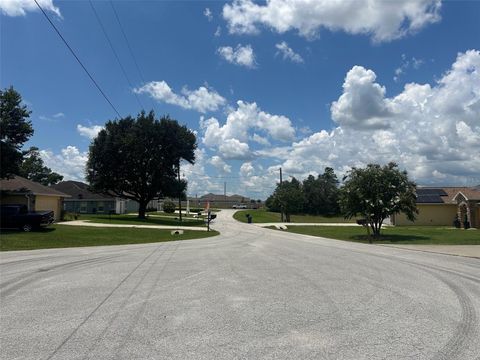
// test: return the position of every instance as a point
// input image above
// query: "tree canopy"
(15, 130)
(314, 196)
(34, 169)
(287, 198)
(138, 158)
(376, 192)
(321, 193)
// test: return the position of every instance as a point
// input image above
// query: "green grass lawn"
(133, 220)
(263, 216)
(62, 236)
(395, 235)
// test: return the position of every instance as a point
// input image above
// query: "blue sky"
(294, 84)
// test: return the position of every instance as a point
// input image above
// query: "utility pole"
(225, 194)
(179, 194)
(281, 210)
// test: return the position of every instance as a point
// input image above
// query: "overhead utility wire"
(115, 53)
(130, 48)
(76, 57)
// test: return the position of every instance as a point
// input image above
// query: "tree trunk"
(376, 230)
(370, 238)
(142, 207)
(288, 217)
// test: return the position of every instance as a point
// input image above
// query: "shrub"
(169, 207)
(68, 216)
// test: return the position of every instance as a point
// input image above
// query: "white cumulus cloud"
(202, 99)
(431, 130)
(70, 162)
(232, 138)
(89, 131)
(220, 164)
(208, 14)
(246, 169)
(242, 121)
(382, 20)
(233, 149)
(21, 7)
(241, 55)
(362, 104)
(288, 54)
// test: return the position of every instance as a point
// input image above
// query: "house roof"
(79, 190)
(21, 185)
(445, 195)
(221, 197)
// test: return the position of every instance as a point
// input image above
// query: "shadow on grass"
(390, 238)
(148, 220)
(43, 230)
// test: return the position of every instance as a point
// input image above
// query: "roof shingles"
(21, 185)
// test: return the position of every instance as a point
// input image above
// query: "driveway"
(250, 293)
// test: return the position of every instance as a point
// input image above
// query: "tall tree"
(321, 193)
(34, 169)
(179, 147)
(15, 130)
(137, 158)
(287, 198)
(377, 192)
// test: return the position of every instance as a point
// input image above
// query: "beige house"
(35, 196)
(220, 201)
(440, 206)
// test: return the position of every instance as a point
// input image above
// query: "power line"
(130, 48)
(115, 53)
(78, 60)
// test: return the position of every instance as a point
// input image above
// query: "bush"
(169, 207)
(68, 216)
(456, 222)
(151, 209)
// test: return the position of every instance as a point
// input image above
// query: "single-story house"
(441, 205)
(84, 201)
(218, 201)
(35, 196)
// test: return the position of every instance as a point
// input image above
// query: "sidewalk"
(103, 225)
(456, 250)
(285, 224)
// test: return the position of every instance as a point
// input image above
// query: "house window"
(83, 207)
(100, 207)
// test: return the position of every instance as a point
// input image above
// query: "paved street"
(250, 293)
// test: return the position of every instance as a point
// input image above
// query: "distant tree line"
(314, 196)
(372, 193)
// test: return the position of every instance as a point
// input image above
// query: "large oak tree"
(138, 158)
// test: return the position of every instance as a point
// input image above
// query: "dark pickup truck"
(18, 217)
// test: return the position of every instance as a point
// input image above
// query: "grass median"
(426, 235)
(263, 216)
(63, 236)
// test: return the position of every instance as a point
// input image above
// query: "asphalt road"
(250, 293)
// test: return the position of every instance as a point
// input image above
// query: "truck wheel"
(27, 227)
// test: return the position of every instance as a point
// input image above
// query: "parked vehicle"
(239, 206)
(18, 217)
